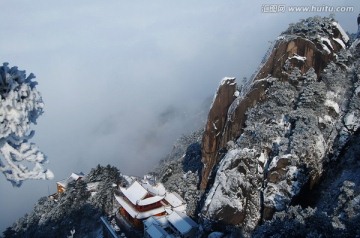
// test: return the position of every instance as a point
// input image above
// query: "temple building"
(62, 185)
(143, 199)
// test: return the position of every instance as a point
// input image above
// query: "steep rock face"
(306, 45)
(296, 116)
(223, 98)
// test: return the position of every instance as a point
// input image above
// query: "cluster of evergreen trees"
(75, 209)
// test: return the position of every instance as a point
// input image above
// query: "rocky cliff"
(274, 144)
(217, 117)
(307, 45)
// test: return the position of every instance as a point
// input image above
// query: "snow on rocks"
(282, 182)
(333, 105)
(330, 101)
(298, 57)
(237, 93)
(344, 36)
(224, 81)
(340, 42)
(227, 80)
(262, 158)
(351, 121)
(325, 119)
(327, 50)
(327, 42)
(232, 194)
(320, 146)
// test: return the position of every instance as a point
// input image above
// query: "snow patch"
(331, 95)
(326, 119)
(262, 158)
(329, 102)
(340, 42)
(344, 36)
(277, 140)
(351, 121)
(298, 57)
(327, 41)
(214, 125)
(276, 159)
(237, 93)
(227, 80)
(326, 48)
(333, 105)
(320, 145)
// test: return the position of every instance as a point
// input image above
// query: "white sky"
(121, 80)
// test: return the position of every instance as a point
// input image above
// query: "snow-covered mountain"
(278, 155)
(285, 131)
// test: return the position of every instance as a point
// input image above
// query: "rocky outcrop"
(282, 131)
(303, 49)
(217, 117)
(306, 45)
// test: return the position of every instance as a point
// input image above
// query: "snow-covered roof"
(181, 222)
(157, 189)
(135, 192)
(155, 231)
(163, 221)
(134, 213)
(174, 199)
(75, 176)
(158, 220)
(128, 178)
(150, 221)
(72, 177)
(181, 208)
(150, 200)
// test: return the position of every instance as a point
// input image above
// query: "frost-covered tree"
(106, 177)
(20, 105)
